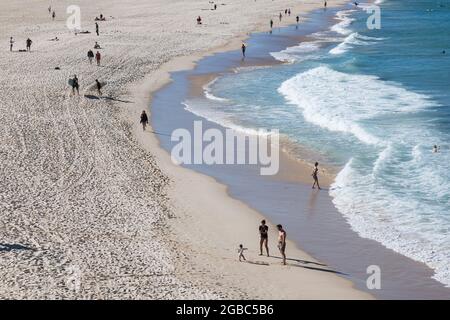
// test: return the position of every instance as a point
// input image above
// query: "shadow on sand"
(11, 247)
(92, 97)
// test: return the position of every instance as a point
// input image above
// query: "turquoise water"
(372, 103)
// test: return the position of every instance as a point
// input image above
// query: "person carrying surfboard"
(74, 83)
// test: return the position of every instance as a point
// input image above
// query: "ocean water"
(371, 103)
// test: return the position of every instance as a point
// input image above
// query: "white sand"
(82, 195)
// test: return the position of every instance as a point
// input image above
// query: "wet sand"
(309, 216)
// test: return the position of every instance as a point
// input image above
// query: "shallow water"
(295, 99)
(373, 102)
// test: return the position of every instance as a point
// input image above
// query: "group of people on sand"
(98, 57)
(264, 242)
(28, 44)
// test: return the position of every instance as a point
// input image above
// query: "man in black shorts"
(263, 231)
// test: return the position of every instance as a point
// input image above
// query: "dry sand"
(91, 207)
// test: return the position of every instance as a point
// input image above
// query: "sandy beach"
(91, 206)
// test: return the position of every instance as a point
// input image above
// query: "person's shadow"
(10, 247)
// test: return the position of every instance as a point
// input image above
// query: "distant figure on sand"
(436, 149)
(263, 232)
(199, 20)
(98, 57)
(96, 29)
(244, 47)
(280, 16)
(11, 44)
(53, 15)
(90, 56)
(289, 12)
(325, 4)
(241, 253)
(297, 19)
(99, 87)
(282, 242)
(315, 176)
(271, 23)
(75, 85)
(144, 120)
(49, 9)
(29, 42)
(97, 46)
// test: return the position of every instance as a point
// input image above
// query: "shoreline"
(185, 201)
(391, 257)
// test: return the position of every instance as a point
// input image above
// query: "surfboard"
(94, 85)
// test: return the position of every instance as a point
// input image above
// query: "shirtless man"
(282, 242)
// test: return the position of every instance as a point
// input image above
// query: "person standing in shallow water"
(244, 48)
(315, 176)
(282, 242)
(263, 232)
(144, 120)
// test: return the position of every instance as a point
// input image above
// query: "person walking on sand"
(11, 44)
(244, 48)
(263, 232)
(53, 15)
(90, 56)
(315, 176)
(282, 242)
(297, 19)
(75, 85)
(199, 20)
(144, 120)
(96, 29)
(241, 253)
(99, 87)
(271, 24)
(325, 4)
(29, 42)
(98, 58)
(280, 16)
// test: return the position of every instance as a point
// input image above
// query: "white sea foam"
(354, 39)
(208, 92)
(341, 102)
(345, 22)
(394, 206)
(297, 53)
